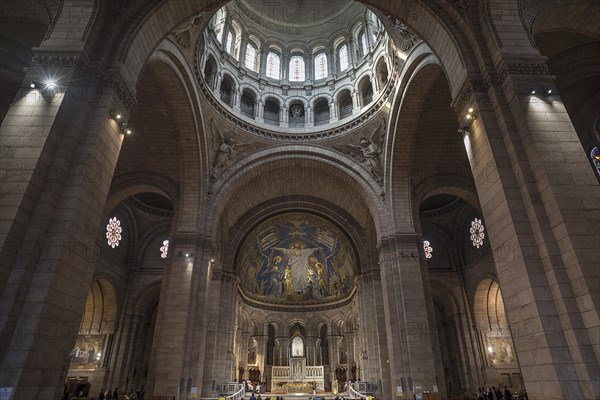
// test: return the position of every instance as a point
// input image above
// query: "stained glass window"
(320, 66)
(297, 69)
(595, 157)
(229, 45)
(164, 249)
(113, 232)
(219, 23)
(273, 65)
(343, 56)
(477, 234)
(427, 249)
(364, 44)
(297, 347)
(251, 57)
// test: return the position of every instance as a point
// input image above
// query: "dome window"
(297, 69)
(343, 57)
(273, 66)
(320, 66)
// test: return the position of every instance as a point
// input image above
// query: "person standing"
(507, 394)
(115, 394)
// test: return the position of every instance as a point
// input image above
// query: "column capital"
(91, 77)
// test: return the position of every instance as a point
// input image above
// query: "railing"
(366, 388)
(237, 395)
(353, 394)
(281, 372)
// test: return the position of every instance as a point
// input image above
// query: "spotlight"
(532, 92)
(118, 116)
(212, 260)
(50, 84)
(471, 109)
(32, 85)
(468, 116)
(549, 92)
(187, 254)
(128, 131)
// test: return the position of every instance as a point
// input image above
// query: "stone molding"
(223, 276)
(473, 87)
(98, 76)
(290, 306)
(228, 114)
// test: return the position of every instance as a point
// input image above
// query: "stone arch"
(227, 89)
(572, 46)
(182, 96)
(130, 184)
(101, 309)
(403, 133)
(275, 163)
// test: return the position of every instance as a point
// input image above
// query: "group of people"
(494, 393)
(127, 395)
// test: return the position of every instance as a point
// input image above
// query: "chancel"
(300, 198)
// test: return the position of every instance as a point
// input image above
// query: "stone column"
(410, 352)
(542, 248)
(63, 151)
(219, 326)
(311, 350)
(124, 350)
(372, 364)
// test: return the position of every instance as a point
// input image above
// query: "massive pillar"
(410, 353)
(374, 346)
(540, 201)
(64, 147)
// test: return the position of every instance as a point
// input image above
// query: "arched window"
(364, 44)
(366, 91)
(297, 346)
(343, 57)
(247, 103)
(226, 90)
(232, 45)
(271, 111)
(218, 22)
(251, 57)
(320, 66)
(345, 104)
(382, 72)
(210, 71)
(297, 69)
(230, 40)
(321, 112)
(273, 65)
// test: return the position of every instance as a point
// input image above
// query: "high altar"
(298, 377)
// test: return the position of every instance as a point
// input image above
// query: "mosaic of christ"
(297, 257)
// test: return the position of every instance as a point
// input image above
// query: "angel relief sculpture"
(225, 148)
(368, 151)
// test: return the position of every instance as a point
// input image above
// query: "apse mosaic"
(296, 257)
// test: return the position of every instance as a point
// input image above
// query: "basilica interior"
(202, 199)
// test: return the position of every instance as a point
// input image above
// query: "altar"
(298, 377)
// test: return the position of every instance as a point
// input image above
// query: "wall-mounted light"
(117, 116)
(472, 115)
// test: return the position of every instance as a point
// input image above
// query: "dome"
(296, 69)
(296, 259)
